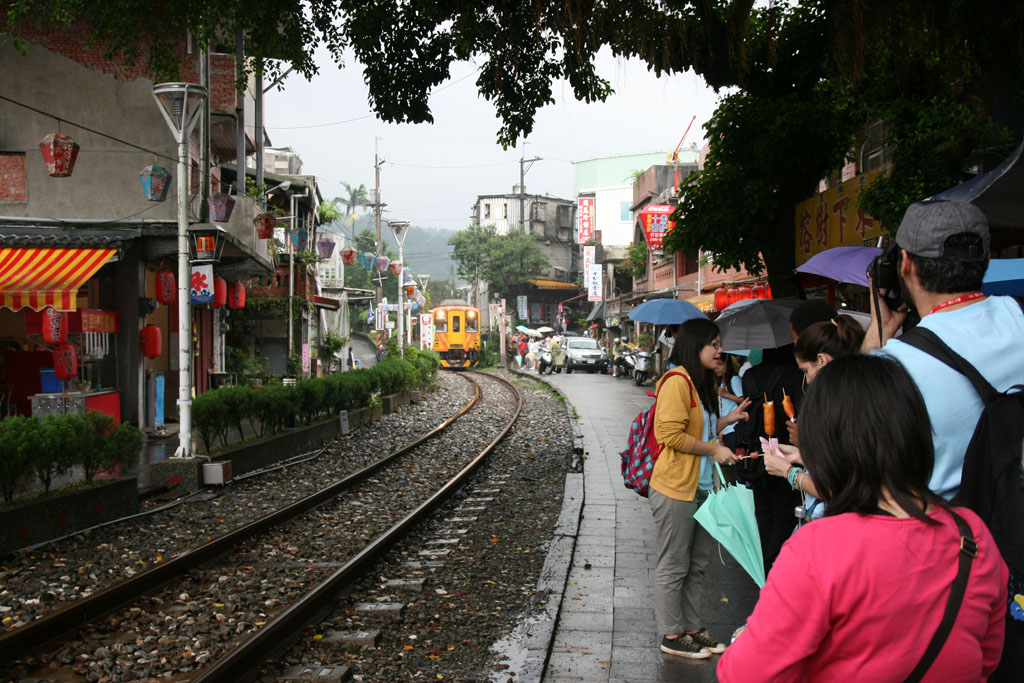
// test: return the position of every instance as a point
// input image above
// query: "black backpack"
(992, 481)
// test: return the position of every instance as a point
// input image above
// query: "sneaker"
(684, 646)
(704, 639)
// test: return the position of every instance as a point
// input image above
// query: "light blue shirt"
(989, 334)
(706, 482)
(727, 405)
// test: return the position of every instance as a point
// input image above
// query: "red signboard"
(99, 321)
(656, 224)
(585, 218)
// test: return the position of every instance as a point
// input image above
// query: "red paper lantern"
(348, 256)
(166, 287)
(744, 293)
(410, 290)
(721, 298)
(55, 326)
(151, 341)
(220, 292)
(768, 291)
(65, 361)
(734, 295)
(758, 290)
(59, 153)
(236, 295)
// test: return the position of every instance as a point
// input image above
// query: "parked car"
(582, 353)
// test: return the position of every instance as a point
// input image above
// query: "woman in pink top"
(858, 595)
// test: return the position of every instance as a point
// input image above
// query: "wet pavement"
(606, 629)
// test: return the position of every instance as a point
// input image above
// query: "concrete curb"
(537, 635)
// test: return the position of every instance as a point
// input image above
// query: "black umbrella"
(997, 193)
(756, 324)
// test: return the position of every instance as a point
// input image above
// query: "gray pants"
(684, 551)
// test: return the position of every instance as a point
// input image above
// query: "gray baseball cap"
(927, 225)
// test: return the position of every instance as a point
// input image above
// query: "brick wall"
(305, 284)
(13, 187)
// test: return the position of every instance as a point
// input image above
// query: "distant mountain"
(426, 250)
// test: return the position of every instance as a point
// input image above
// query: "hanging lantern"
(366, 260)
(155, 181)
(325, 247)
(767, 291)
(166, 291)
(59, 153)
(348, 256)
(220, 205)
(396, 268)
(65, 361)
(151, 341)
(410, 290)
(743, 293)
(236, 295)
(734, 295)
(220, 292)
(757, 291)
(265, 223)
(421, 300)
(382, 263)
(721, 298)
(55, 326)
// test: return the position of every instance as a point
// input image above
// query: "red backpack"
(642, 449)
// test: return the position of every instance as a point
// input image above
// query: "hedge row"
(49, 447)
(277, 407)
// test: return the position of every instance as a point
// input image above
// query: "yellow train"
(457, 333)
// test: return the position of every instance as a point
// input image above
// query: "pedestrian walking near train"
(680, 483)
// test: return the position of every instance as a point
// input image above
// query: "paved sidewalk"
(606, 629)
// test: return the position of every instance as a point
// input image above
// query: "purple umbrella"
(843, 264)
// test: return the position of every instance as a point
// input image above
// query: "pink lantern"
(60, 153)
(221, 205)
(348, 256)
(396, 268)
(382, 263)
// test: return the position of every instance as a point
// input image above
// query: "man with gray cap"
(943, 255)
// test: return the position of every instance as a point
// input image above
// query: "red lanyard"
(957, 300)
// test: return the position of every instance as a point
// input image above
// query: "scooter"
(544, 363)
(628, 364)
(642, 369)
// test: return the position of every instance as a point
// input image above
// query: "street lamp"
(181, 105)
(399, 229)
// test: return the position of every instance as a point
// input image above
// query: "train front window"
(456, 323)
(472, 324)
(440, 322)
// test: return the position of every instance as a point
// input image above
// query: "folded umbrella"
(665, 312)
(757, 324)
(843, 264)
(728, 515)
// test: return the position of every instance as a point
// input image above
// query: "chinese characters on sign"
(99, 321)
(833, 219)
(202, 284)
(426, 331)
(585, 218)
(656, 224)
(592, 274)
(521, 307)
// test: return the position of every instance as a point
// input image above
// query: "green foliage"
(471, 249)
(329, 212)
(274, 407)
(332, 343)
(92, 453)
(360, 278)
(636, 260)
(250, 365)
(122, 446)
(210, 417)
(392, 373)
(355, 198)
(58, 440)
(312, 398)
(514, 259)
(293, 365)
(18, 441)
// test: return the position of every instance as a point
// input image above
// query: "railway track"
(256, 585)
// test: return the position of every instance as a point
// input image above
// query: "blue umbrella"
(1004, 276)
(843, 264)
(665, 312)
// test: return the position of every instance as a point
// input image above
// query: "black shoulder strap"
(968, 549)
(929, 342)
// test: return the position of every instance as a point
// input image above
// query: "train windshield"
(456, 323)
(472, 324)
(440, 321)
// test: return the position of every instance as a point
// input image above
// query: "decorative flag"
(202, 284)
(369, 315)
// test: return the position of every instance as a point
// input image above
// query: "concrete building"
(282, 161)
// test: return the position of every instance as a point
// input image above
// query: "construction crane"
(673, 158)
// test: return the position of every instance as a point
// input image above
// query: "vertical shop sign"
(585, 218)
(521, 308)
(592, 274)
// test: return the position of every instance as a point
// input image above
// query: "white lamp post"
(181, 105)
(399, 228)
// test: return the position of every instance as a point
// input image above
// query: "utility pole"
(523, 168)
(377, 207)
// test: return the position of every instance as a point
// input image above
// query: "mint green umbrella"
(728, 515)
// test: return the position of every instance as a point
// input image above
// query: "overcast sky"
(433, 172)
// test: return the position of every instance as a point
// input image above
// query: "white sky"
(433, 172)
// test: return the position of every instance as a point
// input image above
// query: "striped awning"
(553, 284)
(37, 278)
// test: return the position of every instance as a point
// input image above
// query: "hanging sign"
(656, 224)
(202, 284)
(426, 331)
(521, 307)
(833, 218)
(585, 218)
(592, 274)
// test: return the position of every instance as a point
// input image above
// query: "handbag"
(968, 551)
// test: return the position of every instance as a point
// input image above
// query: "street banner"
(656, 224)
(426, 331)
(833, 219)
(381, 317)
(305, 357)
(521, 308)
(202, 284)
(592, 274)
(585, 218)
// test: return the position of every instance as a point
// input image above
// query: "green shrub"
(392, 374)
(91, 451)
(210, 417)
(59, 436)
(237, 406)
(274, 406)
(18, 441)
(312, 398)
(122, 446)
(356, 387)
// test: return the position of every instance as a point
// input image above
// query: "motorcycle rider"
(619, 349)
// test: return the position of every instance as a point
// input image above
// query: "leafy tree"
(355, 198)
(512, 260)
(438, 291)
(471, 249)
(329, 212)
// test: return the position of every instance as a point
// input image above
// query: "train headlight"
(471, 314)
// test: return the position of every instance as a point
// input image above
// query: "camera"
(885, 275)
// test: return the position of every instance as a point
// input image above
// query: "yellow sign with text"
(833, 219)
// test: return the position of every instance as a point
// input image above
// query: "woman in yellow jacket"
(685, 425)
